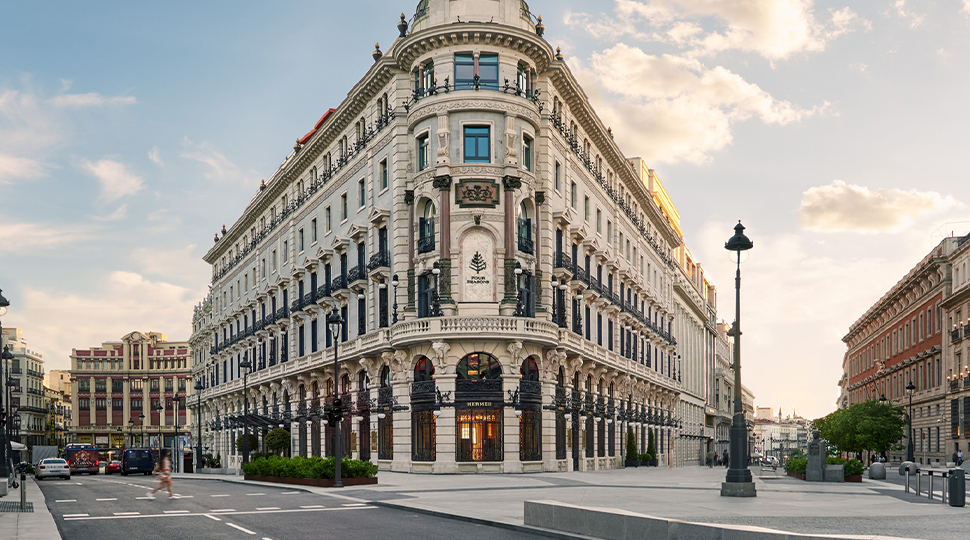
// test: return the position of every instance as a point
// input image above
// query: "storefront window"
(479, 433)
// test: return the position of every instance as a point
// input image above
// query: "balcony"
(356, 274)
(381, 259)
(526, 245)
(339, 283)
(955, 335)
(426, 244)
(563, 262)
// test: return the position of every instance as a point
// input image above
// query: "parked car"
(137, 460)
(112, 467)
(52, 467)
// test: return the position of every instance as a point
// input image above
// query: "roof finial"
(540, 28)
(558, 54)
(402, 26)
(377, 54)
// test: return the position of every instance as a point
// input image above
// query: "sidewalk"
(690, 494)
(36, 525)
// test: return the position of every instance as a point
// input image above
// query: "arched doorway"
(478, 409)
(385, 419)
(530, 409)
(423, 421)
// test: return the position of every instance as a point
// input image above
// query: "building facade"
(132, 390)
(26, 371)
(509, 284)
(899, 340)
(956, 347)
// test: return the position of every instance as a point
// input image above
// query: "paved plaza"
(869, 509)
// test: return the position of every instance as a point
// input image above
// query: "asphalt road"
(116, 508)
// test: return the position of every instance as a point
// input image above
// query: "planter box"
(800, 476)
(632, 463)
(854, 478)
(315, 482)
(652, 462)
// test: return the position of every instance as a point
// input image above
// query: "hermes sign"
(476, 193)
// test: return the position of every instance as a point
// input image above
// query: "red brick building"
(118, 382)
(898, 340)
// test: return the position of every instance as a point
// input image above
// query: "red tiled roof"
(316, 126)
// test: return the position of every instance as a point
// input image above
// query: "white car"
(52, 467)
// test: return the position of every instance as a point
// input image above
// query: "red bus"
(82, 458)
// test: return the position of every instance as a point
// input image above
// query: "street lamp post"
(245, 365)
(738, 482)
(4, 473)
(141, 428)
(910, 388)
(159, 410)
(198, 421)
(335, 321)
(176, 453)
(131, 437)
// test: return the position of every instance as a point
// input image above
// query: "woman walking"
(163, 469)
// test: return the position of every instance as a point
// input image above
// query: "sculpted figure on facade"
(440, 353)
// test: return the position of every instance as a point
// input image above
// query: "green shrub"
(651, 446)
(253, 443)
(853, 467)
(278, 440)
(646, 456)
(834, 460)
(796, 465)
(631, 445)
(311, 467)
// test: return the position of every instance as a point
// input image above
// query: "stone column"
(443, 183)
(549, 461)
(446, 428)
(510, 184)
(540, 199)
(510, 426)
(402, 427)
(409, 200)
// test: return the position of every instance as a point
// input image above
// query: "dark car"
(137, 460)
(112, 467)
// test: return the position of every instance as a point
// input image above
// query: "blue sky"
(130, 132)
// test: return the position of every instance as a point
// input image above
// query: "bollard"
(907, 480)
(23, 489)
(917, 483)
(931, 485)
(957, 487)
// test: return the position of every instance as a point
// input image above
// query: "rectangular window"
(477, 144)
(383, 174)
(101, 404)
(527, 152)
(572, 194)
(136, 405)
(586, 209)
(558, 171)
(424, 156)
(326, 220)
(117, 385)
(262, 264)
(361, 193)
(286, 250)
(299, 239)
(272, 259)
(136, 384)
(464, 71)
(313, 230)
(343, 206)
(100, 385)
(488, 70)
(599, 218)
(609, 232)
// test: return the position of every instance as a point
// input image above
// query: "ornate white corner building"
(515, 291)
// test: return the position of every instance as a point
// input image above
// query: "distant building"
(27, 395)
(956, 348)
(59, 417)
(900, 340)
(128, 388)
(59, 380)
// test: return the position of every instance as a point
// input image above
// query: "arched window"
(385, 377)
(423, 370)
(362, 381)
(529, 370)
(479, 366)
(345, 384)
(426, 240)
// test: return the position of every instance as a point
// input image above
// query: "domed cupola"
(440, 12)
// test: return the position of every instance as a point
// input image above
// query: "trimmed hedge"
(311, 467)
(796, 465)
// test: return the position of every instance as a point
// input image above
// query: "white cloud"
(115, 178)
(841, 207)
(219, 167)
(174, 265)
(774, 29)
(90, 99)
(117, 215)
(14, 167)
(55, 321)
(670, 109)
(912, 18)
(796, 287)
(30, 238)
(155, 156)
(966, 6)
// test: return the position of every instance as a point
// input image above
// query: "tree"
(867, 426)
(631, 445)
(253, 443)
(651, 447)
(278, 440)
